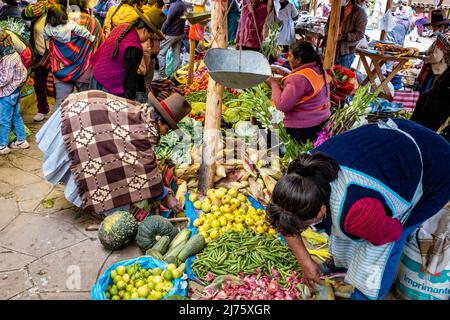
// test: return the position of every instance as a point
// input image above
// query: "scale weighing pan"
(237, 69)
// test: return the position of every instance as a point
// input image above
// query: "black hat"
(437, 18)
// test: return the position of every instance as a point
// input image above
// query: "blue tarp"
(98, 290)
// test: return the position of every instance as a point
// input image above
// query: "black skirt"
(302, 135)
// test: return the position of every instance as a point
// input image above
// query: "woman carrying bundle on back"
(70, 47)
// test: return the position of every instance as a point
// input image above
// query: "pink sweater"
(109, 71)
(286, 97)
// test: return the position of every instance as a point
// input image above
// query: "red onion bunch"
(258, 286)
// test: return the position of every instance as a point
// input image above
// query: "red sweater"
(368, 220)
(109, 71)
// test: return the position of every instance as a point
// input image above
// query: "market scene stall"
(224, 150)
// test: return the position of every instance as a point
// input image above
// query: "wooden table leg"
(370, 74)
(391, 75)
(381, 77)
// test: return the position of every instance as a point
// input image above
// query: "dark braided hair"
(130, 27)
(305, 51)
(300, 194)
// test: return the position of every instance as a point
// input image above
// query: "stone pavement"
(45, 253)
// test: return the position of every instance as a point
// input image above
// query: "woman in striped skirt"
(371, 187)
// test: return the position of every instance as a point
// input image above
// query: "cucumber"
(176, 250)
(154, 253)
(192, 247)
(182, 236)
(182, 267)
(162, 245)
(171, 259)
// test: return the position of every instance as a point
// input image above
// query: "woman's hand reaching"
(173, 204)
(311, 273)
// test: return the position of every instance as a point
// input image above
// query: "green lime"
(117, 279)
(121, 285)
(126, 277)
(108, 296)
(115, 298)
(129, 288)
(143, 292)
(158, 279)
(151, 285)
(122, 293)
(158, 295)
(120, 270)
(156, 271)
(114, 291)
(127, 296)
(167, 275)
(113, 274)
(168, 286)
(159, 287)
(140, 283)
(146, 274)
(135, 295)
(176, 274)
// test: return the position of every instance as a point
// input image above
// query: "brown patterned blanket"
(111, 141)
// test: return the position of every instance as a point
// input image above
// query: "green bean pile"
(244, 252)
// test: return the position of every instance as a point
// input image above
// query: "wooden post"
(388, 8)
(211, 133)
(332, 36)
(266, 27)
(314, 7)
(191, 60)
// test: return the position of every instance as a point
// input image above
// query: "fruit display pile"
(134, 282)
(224, 210)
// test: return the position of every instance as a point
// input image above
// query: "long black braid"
(305, 52)
(130, 27)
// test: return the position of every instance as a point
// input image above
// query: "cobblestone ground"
(45, 253)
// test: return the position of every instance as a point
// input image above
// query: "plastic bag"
(387, 23)
(169, 63)
(98, 290)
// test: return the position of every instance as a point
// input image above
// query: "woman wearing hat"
(101, 147)
(437, 58)
(117, 63)
(128, 12)
(371, 187)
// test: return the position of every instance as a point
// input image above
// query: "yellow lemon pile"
(227, 209)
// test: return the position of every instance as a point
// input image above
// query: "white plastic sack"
(363, 44)
(426, 279)
(387, 23)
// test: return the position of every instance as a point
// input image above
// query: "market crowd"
(101, 58)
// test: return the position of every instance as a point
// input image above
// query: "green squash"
(117, 230)
(152, 229)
